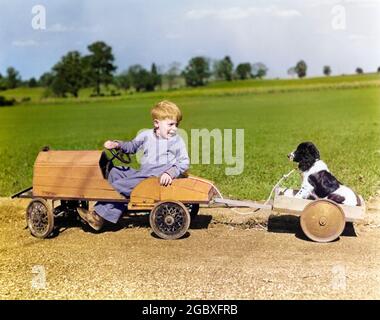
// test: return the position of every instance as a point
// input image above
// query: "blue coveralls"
(159, 156)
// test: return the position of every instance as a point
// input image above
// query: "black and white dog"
(318, 182)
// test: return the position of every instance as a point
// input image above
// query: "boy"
(164, 156)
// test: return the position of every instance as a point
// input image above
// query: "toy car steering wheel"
(120, 155)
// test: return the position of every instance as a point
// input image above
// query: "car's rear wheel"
(40, 218)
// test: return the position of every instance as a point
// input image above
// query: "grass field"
(216, 88)
(345, 125)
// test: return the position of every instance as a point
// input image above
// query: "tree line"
(96, 69)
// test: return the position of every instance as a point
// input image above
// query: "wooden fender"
(186, 190)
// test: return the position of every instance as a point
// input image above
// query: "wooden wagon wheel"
(169, 220)
(323, 221)
(193, 209)
(39, 218)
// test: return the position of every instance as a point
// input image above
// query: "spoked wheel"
(322, 221)
(193, 209)
(169, 220)
(40, 218)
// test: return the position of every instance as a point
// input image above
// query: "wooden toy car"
(66, 180)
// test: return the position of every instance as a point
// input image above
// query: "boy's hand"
(111, 144)
(166, 179)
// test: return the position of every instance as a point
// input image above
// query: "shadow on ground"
(129, 220)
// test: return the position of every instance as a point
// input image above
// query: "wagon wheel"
(40, 218)
(193, 209)
(322, 221)
(169, 220)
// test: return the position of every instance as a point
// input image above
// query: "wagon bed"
(296, 206)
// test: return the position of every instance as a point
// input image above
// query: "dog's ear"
(314, 152)
(313, 180)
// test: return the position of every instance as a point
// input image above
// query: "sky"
(344, 34)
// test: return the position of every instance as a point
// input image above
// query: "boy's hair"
(166, 110)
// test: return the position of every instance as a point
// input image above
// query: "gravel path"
(224, 256)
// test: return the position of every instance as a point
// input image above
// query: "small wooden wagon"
(66, 180)
(321, 220)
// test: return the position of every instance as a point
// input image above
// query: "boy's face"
(166, 128)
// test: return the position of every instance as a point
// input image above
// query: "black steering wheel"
(120, 155)
(106, 162)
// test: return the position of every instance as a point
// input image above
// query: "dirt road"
(224, 256)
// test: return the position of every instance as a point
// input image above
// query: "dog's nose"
(291, 156)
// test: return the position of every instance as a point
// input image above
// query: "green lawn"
(345, 125)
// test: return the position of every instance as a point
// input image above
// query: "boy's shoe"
(92, 218)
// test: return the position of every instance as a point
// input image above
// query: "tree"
(223, 69)
(3, 85)
(243, 71)
(13, 78)
(32, 83)
(140, 78)
(259, 70)
(197, 72)
(301, 68)
(326, 70)
(378, 69)
(46, 79)
(123, 80)
(59, 86)
(68, 74)
(99, 65)
(156, 76)
(173, 73)
(359, 70)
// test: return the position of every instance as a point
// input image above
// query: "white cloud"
(287, 13)
(238, 13)
(235, 13)
(57, 27)
(198, 14)
(24, 43)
